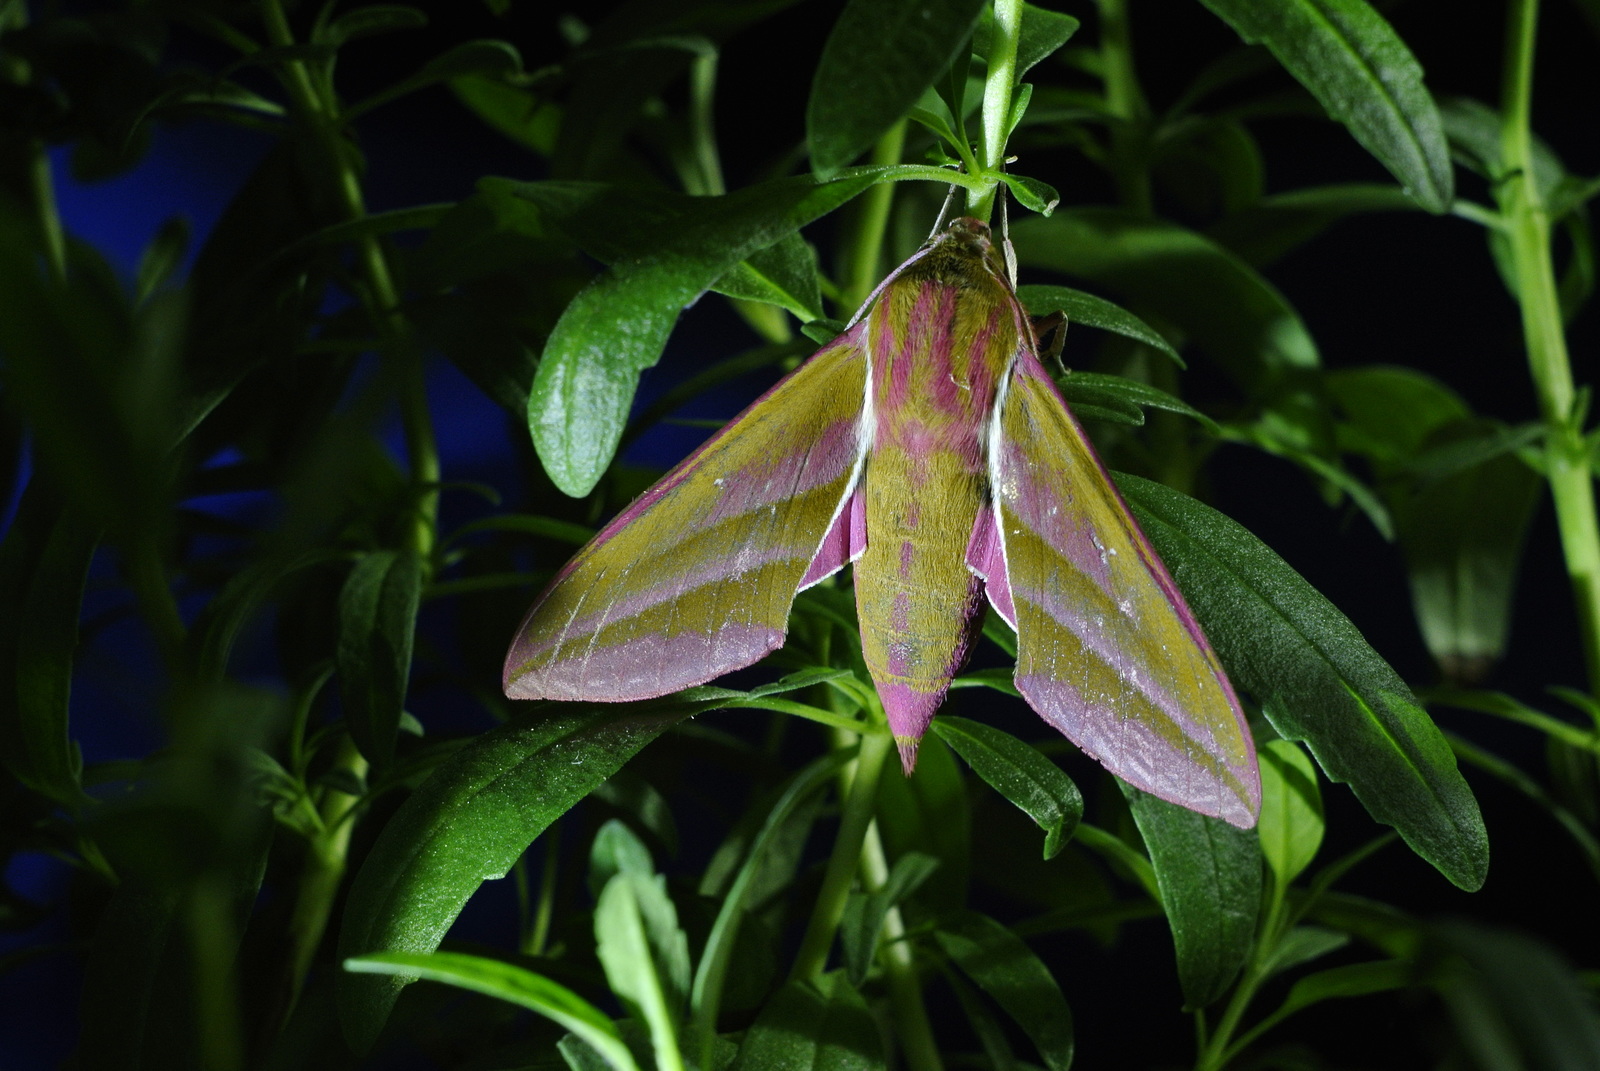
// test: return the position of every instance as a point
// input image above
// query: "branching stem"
(1528, 230)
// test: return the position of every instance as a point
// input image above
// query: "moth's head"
(968, 240)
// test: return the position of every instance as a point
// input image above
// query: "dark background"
(1402, 288)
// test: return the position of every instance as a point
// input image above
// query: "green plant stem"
(44, 207)
(865, 243)
(860, 801)
(320, 878)
(538, 937)
(213, 939)
(998, 88)
(318, 108)
(702, 129)
(1126, 102)
(1528, 233)
(913, 1030)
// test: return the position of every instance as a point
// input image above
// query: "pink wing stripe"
(1133, 749)
(987, 559)
(843, 544)
(646, 667)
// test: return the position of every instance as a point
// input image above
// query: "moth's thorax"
(941, 339)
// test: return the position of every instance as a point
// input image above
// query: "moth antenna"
(944, 212)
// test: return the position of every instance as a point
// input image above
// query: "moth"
(927, 445)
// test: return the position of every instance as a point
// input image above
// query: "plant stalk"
(318, 108)
(998, 88)
(1527, 223)
(913, 1030)
(859, 804)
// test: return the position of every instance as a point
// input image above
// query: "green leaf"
(510, 983)
(370, 20)
(1040, 197)
(1319, 681)
(1390, 412)
(862, 922)
(715, 958)
(1181, 276)
(1273, 226)
(44, 564)
(1095, 387)
(377, 623)
(1042, 34)
(1007, 969)
(1474, 131)
(1356, 65)
(1302, 945)
(1291, 825)
(616, 327)
(617, 850)
(1209, 874)
(513, 110)
(468, 823)
(822, 1026)
(1463, 538)
(484, 61)
(1092, 311)
(645, 954)
(1019, 773)
(1351, 980)
(783, 274)
(1519, 1002)
(877, 61)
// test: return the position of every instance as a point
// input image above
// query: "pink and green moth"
(927, 445)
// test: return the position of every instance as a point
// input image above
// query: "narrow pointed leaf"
(1319, 680)
(377, 623)
(712, 974)
(1352, 61)
(1092, 311)
(1009, 971)
(468, 823)
(864, 915)
(507, 982)
(1019, 773)
(1127, 392)
(783, 274)
(878, 59)
(1301, 945)
(40, 637)
(1209, 874)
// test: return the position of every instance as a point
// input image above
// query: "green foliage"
(331, 774)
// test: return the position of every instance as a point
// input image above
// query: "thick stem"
(859, 804)
(913, 1029)
(1528, 229)
(321, 876)
(998, 89)
(318, 110)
